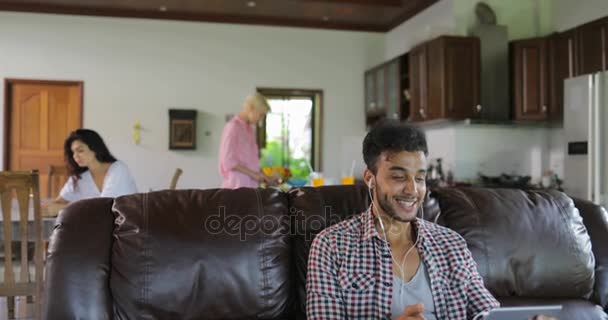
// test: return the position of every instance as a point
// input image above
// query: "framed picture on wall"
(182, 129)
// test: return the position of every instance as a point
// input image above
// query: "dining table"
(48, 221)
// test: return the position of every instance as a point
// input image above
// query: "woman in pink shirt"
(239, 161)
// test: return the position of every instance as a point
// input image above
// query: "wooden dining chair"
(178, 172)
(21, 224)
(58, 175)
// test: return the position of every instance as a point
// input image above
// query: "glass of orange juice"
(348, 180)
(317, 179)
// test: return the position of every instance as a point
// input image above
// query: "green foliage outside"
(274, 155)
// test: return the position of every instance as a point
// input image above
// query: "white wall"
(442, 144)
(524, 19)
(568, 13)
(557, 151)
(468, 150)
(135, 70)
(436, 20)
(493, 150)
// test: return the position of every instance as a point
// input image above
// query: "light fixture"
(162, 9)
(251, 4)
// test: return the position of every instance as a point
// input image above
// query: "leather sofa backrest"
(526, 243)
(201, 254)
(242, 254)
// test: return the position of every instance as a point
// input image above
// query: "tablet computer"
(524, 313)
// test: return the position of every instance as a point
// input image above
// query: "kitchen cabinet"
(530, 90)
(592, 46)
(418, 91)
(385, 86)
(438, 79)
(444, 79)
(563, 64)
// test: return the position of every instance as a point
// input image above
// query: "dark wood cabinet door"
(592, 51)
(461, 76)
(381, 88)
(530, 79)
(562, 65)
(393, 89)
(435, 79)
(418, 83)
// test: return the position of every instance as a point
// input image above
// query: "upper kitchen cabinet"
(375, 96)
(530, 79)
(592, 46)
(444, 79)
(563, 57)
(438, 79)
(418, 90)
(374, 87)
(397, 81)
(385, 86)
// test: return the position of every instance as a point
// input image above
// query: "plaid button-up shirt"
(350, 273)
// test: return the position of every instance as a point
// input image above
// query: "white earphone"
(401, 265)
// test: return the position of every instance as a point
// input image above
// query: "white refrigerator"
(586, 134)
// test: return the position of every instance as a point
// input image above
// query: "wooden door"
(41, 116)
(562, 65)
(418, 83)
(592, 46)
(530, 79)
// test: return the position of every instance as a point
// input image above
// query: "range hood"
(495, 78)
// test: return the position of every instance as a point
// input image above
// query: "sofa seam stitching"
(145, 248)
(263, 253)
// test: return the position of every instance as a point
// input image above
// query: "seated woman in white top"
(94, 172)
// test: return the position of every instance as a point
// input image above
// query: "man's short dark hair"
(394, 137)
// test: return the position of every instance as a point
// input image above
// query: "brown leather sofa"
(241, 254)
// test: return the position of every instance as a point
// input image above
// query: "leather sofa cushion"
(201, 254)
(526, 243)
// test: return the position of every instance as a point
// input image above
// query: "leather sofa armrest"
(78, 262)
(595, 219)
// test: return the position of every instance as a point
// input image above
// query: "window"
(289, 136)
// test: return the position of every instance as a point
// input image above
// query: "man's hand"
(413, 312)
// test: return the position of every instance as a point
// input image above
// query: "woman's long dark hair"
(94, 141)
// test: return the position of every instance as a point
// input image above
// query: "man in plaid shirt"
(387, 263)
